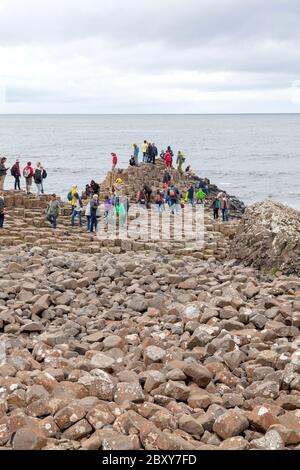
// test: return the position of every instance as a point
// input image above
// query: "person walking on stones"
(216, 206)
(224, 206)
(114, 161)
(160, 201)
(53, 211)
(77, 210)
(3, 172)
(166, 179)
(144, 150)
(28, 174)
(173, 199)
(16, 173)
(150, 154)
(94, 204)
(190, 195)
(148, 194)
(2, 209)
(136, 152)
(171, 153)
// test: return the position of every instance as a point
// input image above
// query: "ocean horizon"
(252, 156)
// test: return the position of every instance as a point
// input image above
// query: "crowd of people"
(29, 173)
(115, 205)
(150, 154)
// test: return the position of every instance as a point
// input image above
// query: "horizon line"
(152, 114)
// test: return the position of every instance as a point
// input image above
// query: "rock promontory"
(268, 237)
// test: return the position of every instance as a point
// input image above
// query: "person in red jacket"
(168, 160)
(28, 174)
(114, 161)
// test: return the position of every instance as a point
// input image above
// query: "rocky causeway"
(129, 344)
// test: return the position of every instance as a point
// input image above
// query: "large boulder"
(268, 237)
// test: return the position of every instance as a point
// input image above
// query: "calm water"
(250, 156)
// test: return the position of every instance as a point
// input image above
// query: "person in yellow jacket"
(73, 192)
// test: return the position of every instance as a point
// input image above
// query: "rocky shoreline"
(126, 346)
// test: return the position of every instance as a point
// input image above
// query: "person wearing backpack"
(2, 209)
(190, 196)
(168, 160)
(216, 206)
(16, 173)
(160, 201)
(28, 174)
(53, 211)
(71, 196)
(3, 172)
(77, 210)
(44, 175)
(38, 179)
(173, 199)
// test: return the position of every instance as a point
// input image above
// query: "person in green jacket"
(180, 160)
(53, 211)
(200, 196)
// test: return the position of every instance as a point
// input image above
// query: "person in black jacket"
(94, 204)
(38, 179)
(16, 173)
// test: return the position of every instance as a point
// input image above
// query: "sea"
(252, 157)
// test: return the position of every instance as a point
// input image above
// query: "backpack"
(44, 176)
(172, 193)
(70, 197)
(26, 172)
(13, 171)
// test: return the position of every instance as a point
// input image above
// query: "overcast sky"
(149, 56)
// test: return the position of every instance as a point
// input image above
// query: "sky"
(149, 56)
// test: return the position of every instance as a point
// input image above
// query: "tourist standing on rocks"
(2, 209)
(216, 206)
(136, 152)
(190, 195)
(166, 179)
(201, 196)
(94, 204)
(132, 161)
(173, 196)
(160, 201)
(38, 179)
(149, 157)
(225, 206)
(168, 160)
(114, 161)
(95, 188)
(180, 160)
(88, 216)
(144, 150)
(43, 177)
(148, 194)
(53, 211)
(154, 153)
(28, 174)
(77, 210)
(171, 153)
(3, 172)
(16, 173)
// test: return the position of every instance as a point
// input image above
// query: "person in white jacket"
(88, 216)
